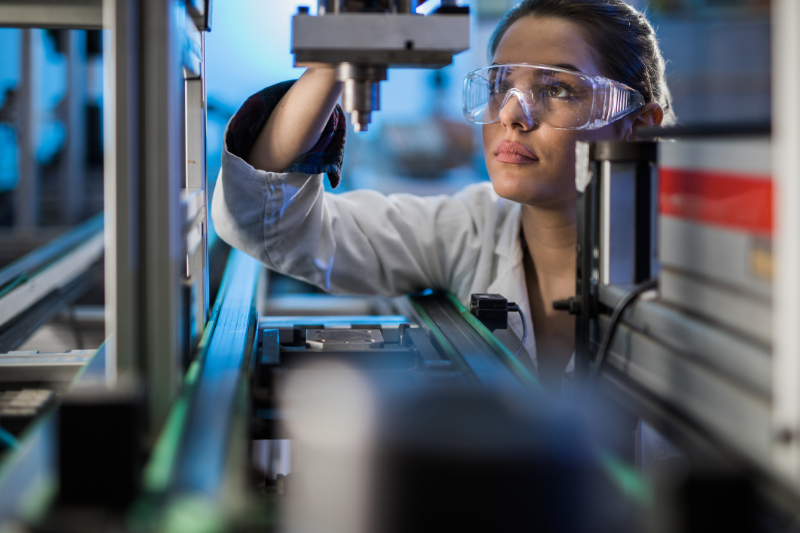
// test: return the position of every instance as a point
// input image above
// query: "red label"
(732, 201)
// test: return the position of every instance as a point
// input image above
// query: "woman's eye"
(558, 91)
(499, 88)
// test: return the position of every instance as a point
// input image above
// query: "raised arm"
(358, 242)
(295, 125)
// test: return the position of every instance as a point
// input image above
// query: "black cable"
(514, 307)
(633, 293)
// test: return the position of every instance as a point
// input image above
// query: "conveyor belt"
(467, 342)
(206, 435)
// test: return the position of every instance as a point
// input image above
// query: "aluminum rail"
(469, 344)
(191, 452)
(38, 286)
(50, 251)
(65, 14)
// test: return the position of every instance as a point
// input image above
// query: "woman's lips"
(514, 153)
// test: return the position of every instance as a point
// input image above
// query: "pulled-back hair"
(624, 41)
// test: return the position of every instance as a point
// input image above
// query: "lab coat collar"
(510, 281)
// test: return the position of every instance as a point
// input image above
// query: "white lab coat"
(363, 242)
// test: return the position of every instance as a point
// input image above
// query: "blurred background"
(51, 91)
(717, 54)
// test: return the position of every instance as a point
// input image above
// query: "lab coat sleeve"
(359, 242)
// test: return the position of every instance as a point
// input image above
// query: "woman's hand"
(297, 122)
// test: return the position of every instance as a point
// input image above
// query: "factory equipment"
(419, 418)
(702, 347)
(687, 288)
(40, 285)
(362, 39)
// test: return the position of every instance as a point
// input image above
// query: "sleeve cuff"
(326, 156)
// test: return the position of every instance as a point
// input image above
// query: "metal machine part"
(344, 339)
(35, 367)
(38, 286)
(361, 39)
(695, 359)
(615, 228)
(361, 94)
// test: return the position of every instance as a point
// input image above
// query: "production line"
(200, 414)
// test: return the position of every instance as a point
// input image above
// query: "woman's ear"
(647, 116)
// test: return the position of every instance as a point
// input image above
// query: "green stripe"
(16, 282)
(629, 482)
(158, 471)
(446, 345)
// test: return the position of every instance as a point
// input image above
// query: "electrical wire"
(627, 298)
(514, 307)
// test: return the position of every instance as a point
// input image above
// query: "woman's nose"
(516, 112)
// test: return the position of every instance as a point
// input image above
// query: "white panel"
(739, 156)
(786, 172)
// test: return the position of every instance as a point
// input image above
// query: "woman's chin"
(517, 190)
(533, 194)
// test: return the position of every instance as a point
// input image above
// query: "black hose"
(512, 307)
(630, 296)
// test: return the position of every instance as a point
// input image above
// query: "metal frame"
(701, 375)
(207, 431)
(469, 345)
(67, 14)
(55, 276)
(74, 162)
(196, 185)
(38, 286)
(786, 296)
(16, 367)
(157, 242)
(712, 379)
(26, 205)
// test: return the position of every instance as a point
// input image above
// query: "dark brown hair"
(624, 41)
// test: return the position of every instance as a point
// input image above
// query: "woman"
(555, 62)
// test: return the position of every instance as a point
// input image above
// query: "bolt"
(785, 436)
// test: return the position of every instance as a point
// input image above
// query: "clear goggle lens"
(547, 95)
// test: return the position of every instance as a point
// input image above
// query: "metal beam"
(73, 167)
(54, 277)
(26, 208)
(68, 14)
(17, 367)
(45, 309)
(51, 251)
(786, 283)
(197, 182)
(201, 462)
(122, 187)
(162, 170)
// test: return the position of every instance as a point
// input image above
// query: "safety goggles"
(554, 96)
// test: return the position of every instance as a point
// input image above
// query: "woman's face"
(547, 177)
